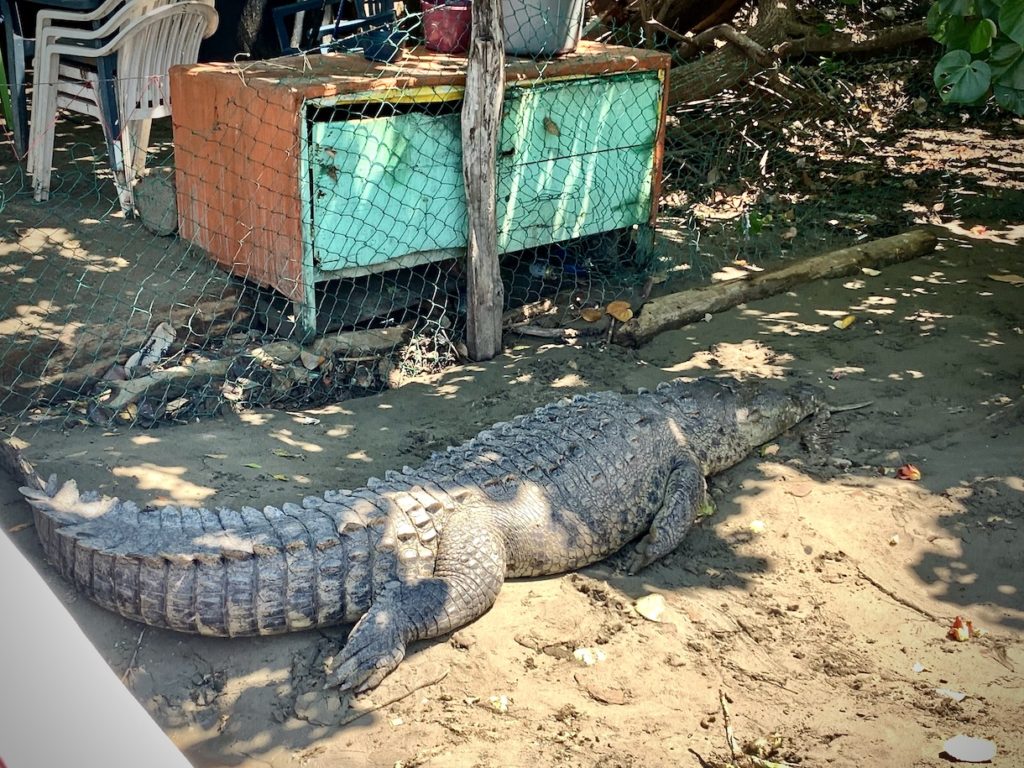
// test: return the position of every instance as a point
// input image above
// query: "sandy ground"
(817, 599)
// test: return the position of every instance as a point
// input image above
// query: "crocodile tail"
(224, 572)
(212, 572)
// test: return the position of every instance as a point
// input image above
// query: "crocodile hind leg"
(685, 493)
(468, 573)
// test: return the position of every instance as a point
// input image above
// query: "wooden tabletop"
(330, 74)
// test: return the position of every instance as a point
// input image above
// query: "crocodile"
(422, 551)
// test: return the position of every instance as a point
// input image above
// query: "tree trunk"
(777, 30)
(726, 66)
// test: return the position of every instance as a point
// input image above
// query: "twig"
(893, 596)
(353, 716)
(528, 312)
(751, 48)
(850, 407)
(730, 738)
(564, 334)
(135, 655)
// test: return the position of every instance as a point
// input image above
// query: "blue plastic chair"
(19, 51)
(302, 37)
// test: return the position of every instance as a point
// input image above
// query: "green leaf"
(989, 8)
(981, 35)
(956, 7)
(956, 34)
(1007, 61)
(961, 80)
(1010, 99)
(1011, 20)
(936, 22)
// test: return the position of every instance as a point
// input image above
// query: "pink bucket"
(447, 26)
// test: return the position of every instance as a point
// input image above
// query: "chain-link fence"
(296, 232)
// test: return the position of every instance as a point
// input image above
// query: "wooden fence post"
(481, 115)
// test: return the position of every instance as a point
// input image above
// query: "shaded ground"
(809, 597)
(817, 599)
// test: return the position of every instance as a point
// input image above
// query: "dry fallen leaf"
(591, 314)
(1011, 279)
(551, 126)
(310, 361)
(620, 310)
(908, 472)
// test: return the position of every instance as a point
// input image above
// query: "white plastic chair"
(148, 37)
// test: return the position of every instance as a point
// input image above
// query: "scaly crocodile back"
(564, 486)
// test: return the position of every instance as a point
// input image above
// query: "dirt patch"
(816, 598)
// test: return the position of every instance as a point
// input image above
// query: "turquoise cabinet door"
(577, 117)
(386, 187)
(575, 158)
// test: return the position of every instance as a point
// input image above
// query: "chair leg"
(140, 143)
(119, 144)
(19, 100)
(44, 125)
(18, 49)
(122, 161)
(39, 163)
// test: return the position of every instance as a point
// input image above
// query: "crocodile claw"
(374, 648)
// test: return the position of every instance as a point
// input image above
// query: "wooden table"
(294, 171)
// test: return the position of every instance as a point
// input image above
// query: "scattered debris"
(588, 657)
(966, 749)
(758, 526)
(1011, 279)
(499, 704)
(908, 472)
(949, 693)
(651, 607)
(919, 667)
(963, 630)
(600, 692)
(894, 540)
(845, 322)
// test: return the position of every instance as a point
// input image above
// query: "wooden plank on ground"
(675, 310)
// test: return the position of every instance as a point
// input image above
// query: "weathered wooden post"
(481, 114)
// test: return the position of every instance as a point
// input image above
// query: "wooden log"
(481, 113)
(678, 309)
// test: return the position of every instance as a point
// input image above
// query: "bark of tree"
(778, 30)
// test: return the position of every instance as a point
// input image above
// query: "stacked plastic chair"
(144, 38)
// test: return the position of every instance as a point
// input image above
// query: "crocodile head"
(726, 419)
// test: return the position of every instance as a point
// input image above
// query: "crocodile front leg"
(468, 573)
(685, 493)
